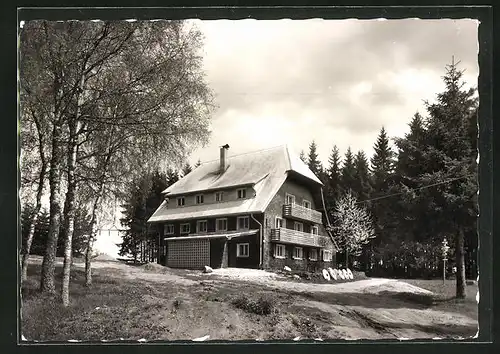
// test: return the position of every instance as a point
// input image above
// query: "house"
(261, 209)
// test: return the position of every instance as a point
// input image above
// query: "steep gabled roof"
(264, 170)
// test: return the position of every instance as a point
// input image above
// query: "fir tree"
(333, 187)
(186, 169)
(382, 163)
(303, 157)
(348, 172)
(197, 164)
(312, 160)
(362, 186)
(451, 158)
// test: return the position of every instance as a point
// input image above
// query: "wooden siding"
(299, 212)
(285, 235)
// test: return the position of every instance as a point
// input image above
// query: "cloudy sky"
(332, 81)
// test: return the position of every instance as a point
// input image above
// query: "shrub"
(263, 306)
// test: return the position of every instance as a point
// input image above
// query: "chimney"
(223, 158)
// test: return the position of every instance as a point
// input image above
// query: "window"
(313, 254)
(279, 251)
(219, 196)
(306, 204)
(185, 228)
(242, 249)
(298, 226)
(221, 225)
(279, 222)
(168, 229)
(314, 230)
(298, 253)
(242, 193)
(243, 223)
(289, 199)
(327, 256)
(201, 226)
(199, 199)
(181, 201)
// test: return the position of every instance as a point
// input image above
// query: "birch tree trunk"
(90, 240)
(49, 260)
(69, 208)
(39, 194)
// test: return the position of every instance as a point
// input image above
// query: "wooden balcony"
(299, 212)
(290, 236)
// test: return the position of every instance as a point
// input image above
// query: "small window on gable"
(279, 251)
(242, 193)
(185, 228)
(327, 255)
(279, 222)
(221, 225)
(242, 250)
(168, 229)
(219, 196)
(306, 204)
(314, 230)
(199, 199)
(289, 199)
(181, 201)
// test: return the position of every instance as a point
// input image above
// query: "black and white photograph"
(248, 180)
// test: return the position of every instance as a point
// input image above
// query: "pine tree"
(312, 159)
(348, 172)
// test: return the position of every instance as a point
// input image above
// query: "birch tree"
(353, 226)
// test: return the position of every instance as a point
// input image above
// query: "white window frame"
(327, 256)
(314, 228)
(183, 201)
(238, 222)
(291, 196)
(276, 222)
(315, 258)
(217, 224)
(220, 195)
(188, 228)
(243, 193)
(246, 247)
(279, 246)
(199, 199)
(166, 227)
(295, 223)
(301, 253)
(198, 226)
(304, 202)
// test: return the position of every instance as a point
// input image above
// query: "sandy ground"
(363, 309)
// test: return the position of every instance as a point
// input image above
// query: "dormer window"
(219, 196)
(306, 204)
(242, 193)
(199, 199)
(289, 199)
(181, 201)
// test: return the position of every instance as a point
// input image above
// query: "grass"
(118, 307)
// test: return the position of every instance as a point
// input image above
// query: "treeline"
(419, 190)
(141, 197)
(100, 103)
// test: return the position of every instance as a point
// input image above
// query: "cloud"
(334, 81)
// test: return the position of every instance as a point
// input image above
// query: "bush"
(263, 306)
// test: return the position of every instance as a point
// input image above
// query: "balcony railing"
(302, 213)
(285, 235)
